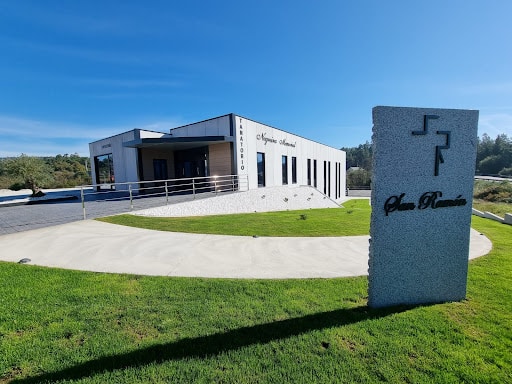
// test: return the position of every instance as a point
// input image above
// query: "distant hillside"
(494, 157)
(65, 171)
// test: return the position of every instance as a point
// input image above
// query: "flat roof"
(177, 143)
(258, 122)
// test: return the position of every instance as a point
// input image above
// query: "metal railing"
(145, 194)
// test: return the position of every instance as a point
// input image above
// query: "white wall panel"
(125, 159)
(219, 126)
(252, 137)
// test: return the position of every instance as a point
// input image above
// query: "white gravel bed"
(21, 192)
(258, 200)
(28, 192)
(9, 197)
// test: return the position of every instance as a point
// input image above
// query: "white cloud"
(14, 126)
(494, 124)
(42, 148)
(78, 52)
(45, 138)
(492, 88)
(103, 20)
(130, 83)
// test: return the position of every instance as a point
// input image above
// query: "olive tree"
(32, 172)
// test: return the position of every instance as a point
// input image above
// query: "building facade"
(224, 145)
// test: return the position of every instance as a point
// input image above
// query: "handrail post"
(131, 197)
(83, 200)
(194, 188)
(215, 185)
(166, 194)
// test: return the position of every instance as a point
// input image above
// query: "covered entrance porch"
(182, 158)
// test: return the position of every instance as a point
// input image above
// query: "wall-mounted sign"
(241, 137)
(263, 137)
(427, 200)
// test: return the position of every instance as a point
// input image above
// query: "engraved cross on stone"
(439, 155)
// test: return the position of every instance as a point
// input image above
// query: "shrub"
(358, 178)
(494, 191)
(506, 172)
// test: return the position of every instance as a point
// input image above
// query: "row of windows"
(338, 180)
(311, 173)
(284, 169)
(314, 173)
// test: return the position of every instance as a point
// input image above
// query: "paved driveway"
(26, 217)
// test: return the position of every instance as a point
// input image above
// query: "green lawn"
(352, 220)
(67, 326)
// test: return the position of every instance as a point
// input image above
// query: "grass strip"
(497, 208)
(352, 220)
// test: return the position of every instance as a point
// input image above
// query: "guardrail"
(493, 178)
(187, 188)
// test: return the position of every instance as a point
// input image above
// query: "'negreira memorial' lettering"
(263, 137)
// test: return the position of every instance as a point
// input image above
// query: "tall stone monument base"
(422, 188)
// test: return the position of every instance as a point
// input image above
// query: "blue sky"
(72, 72)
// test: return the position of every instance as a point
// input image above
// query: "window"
(336, 182)
(284, 167)
(325, 177)
(294, 170)
(329, 180)
(314, 173)
(104, 169)
(339, 180)
(261, 169)
(309, 171)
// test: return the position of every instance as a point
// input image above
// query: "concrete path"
(95, 246)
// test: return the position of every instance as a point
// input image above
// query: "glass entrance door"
(160, 169)
(105, 171)
(191, 163)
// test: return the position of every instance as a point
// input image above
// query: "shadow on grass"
(205, 346)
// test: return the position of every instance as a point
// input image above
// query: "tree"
(68, 170)
(360, 156)
(485, 148)
(494, 156)
(358, 178)
(491, 165)
(32, 172)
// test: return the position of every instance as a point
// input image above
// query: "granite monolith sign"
(422, 188)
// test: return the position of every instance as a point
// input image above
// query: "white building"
(226, 145)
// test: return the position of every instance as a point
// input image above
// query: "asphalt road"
(27, 217)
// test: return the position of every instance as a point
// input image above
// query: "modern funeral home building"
(224, 145)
